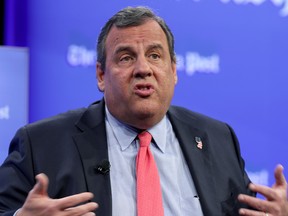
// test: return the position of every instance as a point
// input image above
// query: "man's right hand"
(39, 203)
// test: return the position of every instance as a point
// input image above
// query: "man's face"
(139, 78)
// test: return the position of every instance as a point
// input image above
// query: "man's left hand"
(276, 203)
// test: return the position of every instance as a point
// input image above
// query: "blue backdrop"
(232, 65)
(13, 94)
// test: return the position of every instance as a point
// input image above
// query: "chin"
(147, 107)
(148, 112)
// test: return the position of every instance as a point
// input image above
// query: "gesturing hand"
(39, 203)
(276, 203)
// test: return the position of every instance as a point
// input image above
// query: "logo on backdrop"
(81, 56)
(278, 3)
(4, 113)
(191, 62)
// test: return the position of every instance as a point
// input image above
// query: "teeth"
(144, 88)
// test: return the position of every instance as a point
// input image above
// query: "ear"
(174, 69)
(100, 77)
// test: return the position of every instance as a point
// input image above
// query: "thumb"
(41, 186)
(279, 176)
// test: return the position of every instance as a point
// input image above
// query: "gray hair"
(127, 17)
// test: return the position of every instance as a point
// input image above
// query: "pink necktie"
(149, 196)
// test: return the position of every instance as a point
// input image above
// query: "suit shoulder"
(63, 120)
(60, 120)
(187, 115)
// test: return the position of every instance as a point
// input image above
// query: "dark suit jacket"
(68, 147)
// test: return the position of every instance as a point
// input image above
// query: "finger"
(248, 212)
(266, 191)
(90, 214)
(85, 209)
(41, 185)
(256, 203)
(279, 176)
(74, 200)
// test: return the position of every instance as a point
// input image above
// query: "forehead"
(148, 33)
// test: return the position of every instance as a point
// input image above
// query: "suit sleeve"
(16, 174)
(247, 181)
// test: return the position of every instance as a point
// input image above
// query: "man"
(199, 165)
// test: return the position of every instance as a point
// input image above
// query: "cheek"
(117, 84)
(168, 84)
(169, 79)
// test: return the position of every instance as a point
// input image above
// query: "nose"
(142, 68)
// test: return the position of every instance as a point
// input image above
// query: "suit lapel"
(92, 146)
(198, 160)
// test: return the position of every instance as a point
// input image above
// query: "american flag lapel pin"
(199, 142)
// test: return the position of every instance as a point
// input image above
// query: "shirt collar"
(126, 134)
(159, 133)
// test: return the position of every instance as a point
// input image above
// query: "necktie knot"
(144, 139)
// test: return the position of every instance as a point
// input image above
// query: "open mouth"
(144, 90)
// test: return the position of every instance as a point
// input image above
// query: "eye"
(154, 56)
(126, 58)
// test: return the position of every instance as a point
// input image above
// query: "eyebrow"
(123, 48)
(130, 48)
(155, 46)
